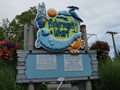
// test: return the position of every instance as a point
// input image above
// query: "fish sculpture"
(51, 43)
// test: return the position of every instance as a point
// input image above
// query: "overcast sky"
(98, 15)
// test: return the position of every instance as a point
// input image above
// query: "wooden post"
(84, 35)
(37, 86)
(29, 43)
(26, 30)
(31, 38)
(88, 85)
(81, 85)
(31, 86)
(33, 22)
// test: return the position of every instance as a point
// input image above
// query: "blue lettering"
(61, 33)
(60, 24)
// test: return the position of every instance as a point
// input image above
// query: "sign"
(57, 29)
(57, 65)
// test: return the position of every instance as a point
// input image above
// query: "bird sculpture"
(73, 13)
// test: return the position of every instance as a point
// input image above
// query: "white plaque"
(46, 62)
(73, 63)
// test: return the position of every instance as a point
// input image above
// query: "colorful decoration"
(56, 29)
(76, 45)
(73, 13)
(50, 43)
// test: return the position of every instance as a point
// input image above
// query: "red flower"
(7, 47)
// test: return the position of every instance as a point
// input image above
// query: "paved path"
(63, 87)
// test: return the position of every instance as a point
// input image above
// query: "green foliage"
(2, 34)
(4, 29)
(8, 77)
(26, 16)
(17, 24)
(109, 75)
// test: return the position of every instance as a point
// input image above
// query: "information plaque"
(73, 63)
(46, 62)
(57, 65)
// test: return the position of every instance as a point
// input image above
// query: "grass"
(8, 78)
(109, 75)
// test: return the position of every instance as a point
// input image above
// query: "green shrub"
(8, 78)
(110, 75)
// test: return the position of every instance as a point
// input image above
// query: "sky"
(99, 16)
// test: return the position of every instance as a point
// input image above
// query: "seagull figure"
(73, 13)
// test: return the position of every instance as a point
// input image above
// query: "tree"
(2, 34)
(6, 28)
(15, 29)
(17, 24)
(27, 16)
(102, 49)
